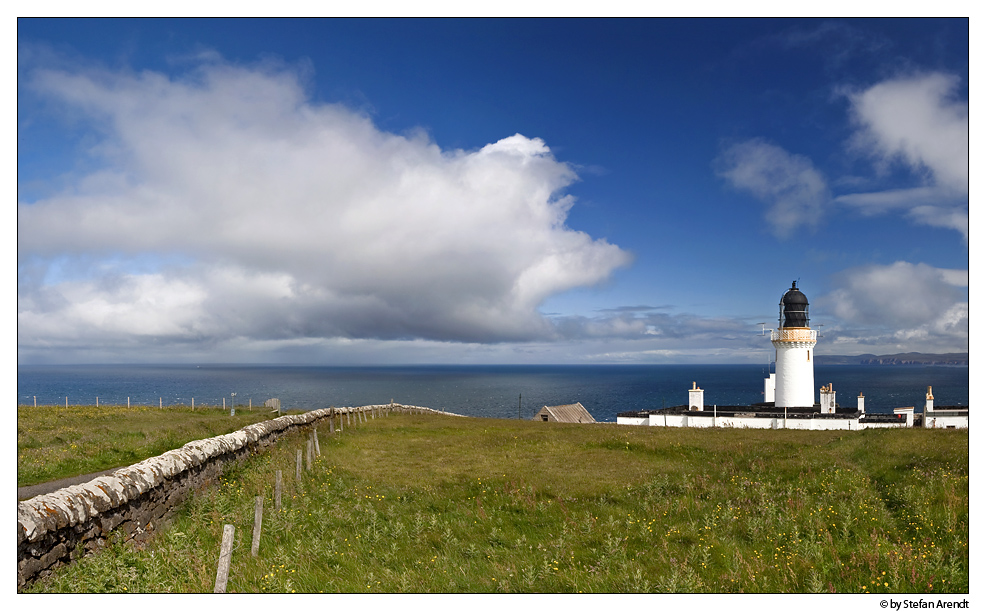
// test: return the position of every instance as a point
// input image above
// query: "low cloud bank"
(899, 307)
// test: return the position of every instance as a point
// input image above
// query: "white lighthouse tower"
(793, 341)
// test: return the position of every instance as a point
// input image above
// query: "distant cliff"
(957, 359)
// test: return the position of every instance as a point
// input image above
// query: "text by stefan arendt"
(916, 604)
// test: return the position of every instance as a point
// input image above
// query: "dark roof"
(795, 306)
(879, 417)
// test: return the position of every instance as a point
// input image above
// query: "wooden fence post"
(225, 552)
(309, 451)
(332, 422)
(298, 466)
(277, 491)
(258, 518)
(315, 438)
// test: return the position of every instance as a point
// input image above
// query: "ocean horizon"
(494, 391)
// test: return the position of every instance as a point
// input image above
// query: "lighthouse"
(793, 342)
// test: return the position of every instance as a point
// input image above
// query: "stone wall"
(56, 528)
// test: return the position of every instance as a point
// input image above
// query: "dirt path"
(49, 487)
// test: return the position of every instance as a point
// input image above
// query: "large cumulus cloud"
(228, 204)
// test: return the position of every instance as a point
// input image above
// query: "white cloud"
(950, 217)
(917, 122)
(891, 199)
(898, 304)
(291, 219)
(789, 183)
(914, 122)
(924, 205)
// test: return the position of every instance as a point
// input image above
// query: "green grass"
(56, 442)
(428, 503)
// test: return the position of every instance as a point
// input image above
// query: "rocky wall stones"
(133, 500)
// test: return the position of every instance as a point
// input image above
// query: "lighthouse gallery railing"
(793, 334)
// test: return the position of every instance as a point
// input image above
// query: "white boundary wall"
(938, 421)
(848, 424)
(741, 422)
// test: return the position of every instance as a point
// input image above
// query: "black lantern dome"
(794, 308)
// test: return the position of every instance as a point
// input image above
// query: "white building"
(794, 343)
(789, 393)
(951, 417)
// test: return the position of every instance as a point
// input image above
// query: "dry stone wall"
(55, 528)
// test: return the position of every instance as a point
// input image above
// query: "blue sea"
(483, 391)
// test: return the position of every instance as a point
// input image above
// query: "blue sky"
(488, 191)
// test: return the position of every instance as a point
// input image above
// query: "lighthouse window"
(808, 356)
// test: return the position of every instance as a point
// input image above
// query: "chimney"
(695, 398)
(827, 399)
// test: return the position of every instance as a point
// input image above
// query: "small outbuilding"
(568, 413)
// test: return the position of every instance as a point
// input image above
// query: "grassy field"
(57, 442)
(441, 504)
